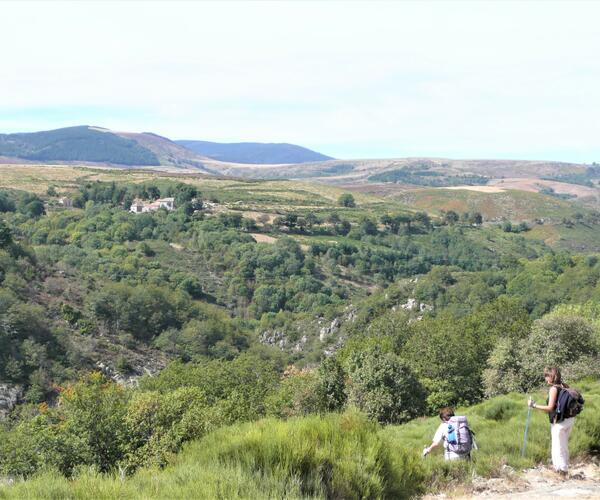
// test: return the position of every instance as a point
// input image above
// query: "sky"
(478, 79)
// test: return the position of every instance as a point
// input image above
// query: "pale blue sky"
(350, 79)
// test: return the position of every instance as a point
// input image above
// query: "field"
(508, 204)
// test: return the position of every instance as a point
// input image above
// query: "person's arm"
(552, 397)
(437, 439)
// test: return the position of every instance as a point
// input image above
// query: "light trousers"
(560, 433)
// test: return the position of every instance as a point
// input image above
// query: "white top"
(441, 433)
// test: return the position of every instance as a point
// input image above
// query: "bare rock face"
(274, 338)
(129, 380)
(413, 305)
(326, 331)
(9, 396)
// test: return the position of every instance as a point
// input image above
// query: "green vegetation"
(337, 455)
(421, 173)
(346, 200)
(260, 308)
(76, 144)
(585, 178)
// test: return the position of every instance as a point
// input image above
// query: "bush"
(383, 387)
(346, 200)
(157, 424)
(556, 341)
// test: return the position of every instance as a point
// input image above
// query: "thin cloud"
(469, 79)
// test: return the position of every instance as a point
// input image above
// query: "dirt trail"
(535, 484)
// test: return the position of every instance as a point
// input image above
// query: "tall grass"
(334, 456)
(499, 425)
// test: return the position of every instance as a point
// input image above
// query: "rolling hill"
(83, 143)
(474, 182)
(254, 152)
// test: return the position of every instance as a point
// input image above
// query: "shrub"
(346, 200)
(383, 387)
(556, 341)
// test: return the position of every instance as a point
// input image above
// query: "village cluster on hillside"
(140, 206)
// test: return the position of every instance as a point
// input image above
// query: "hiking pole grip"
(526, 430)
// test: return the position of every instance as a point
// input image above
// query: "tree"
(346, 200)
(343, 227)
(30, 205)
(94, 410)
(556, 341)
(384, 387)
(368, 227)
(423, 220)
(448, 358)
(268, 298)
(451, 217)
(5, 235)
(331, 385)
(476, 218)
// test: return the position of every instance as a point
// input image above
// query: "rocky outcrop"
(129, 380)
(9, 397)
(273, 338)
(413, 305)
(326, 331)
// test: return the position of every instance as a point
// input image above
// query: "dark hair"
(446, 413)
(554, 374)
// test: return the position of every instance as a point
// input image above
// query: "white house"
(140, 206)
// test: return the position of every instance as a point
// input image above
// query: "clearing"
(263, 238)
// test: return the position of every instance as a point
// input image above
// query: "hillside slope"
(83, 143)
(254, 152)
(337, 456)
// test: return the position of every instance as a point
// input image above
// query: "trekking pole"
(526, 429)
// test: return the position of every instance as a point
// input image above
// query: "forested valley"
(123, 335)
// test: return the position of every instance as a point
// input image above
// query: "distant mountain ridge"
(100, 145)
(257, 153)
(81, 143)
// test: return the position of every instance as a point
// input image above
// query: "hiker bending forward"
(454, 432)
(560, 429)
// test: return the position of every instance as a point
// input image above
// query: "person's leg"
(565, 432)
(560, 444)
(554, 434)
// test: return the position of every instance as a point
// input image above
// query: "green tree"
(384, 387)
(5, 235)
(346, 200)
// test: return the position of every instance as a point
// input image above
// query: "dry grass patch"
(263, 238)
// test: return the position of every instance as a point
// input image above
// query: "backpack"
(460, 437)
(569, 404)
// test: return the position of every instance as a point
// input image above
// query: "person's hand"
(425, 451)
(531, 403)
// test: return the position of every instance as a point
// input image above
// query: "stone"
(9, 397)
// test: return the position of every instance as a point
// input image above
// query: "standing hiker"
(562, 405)
(455, 433)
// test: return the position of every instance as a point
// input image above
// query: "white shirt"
(441, 433)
